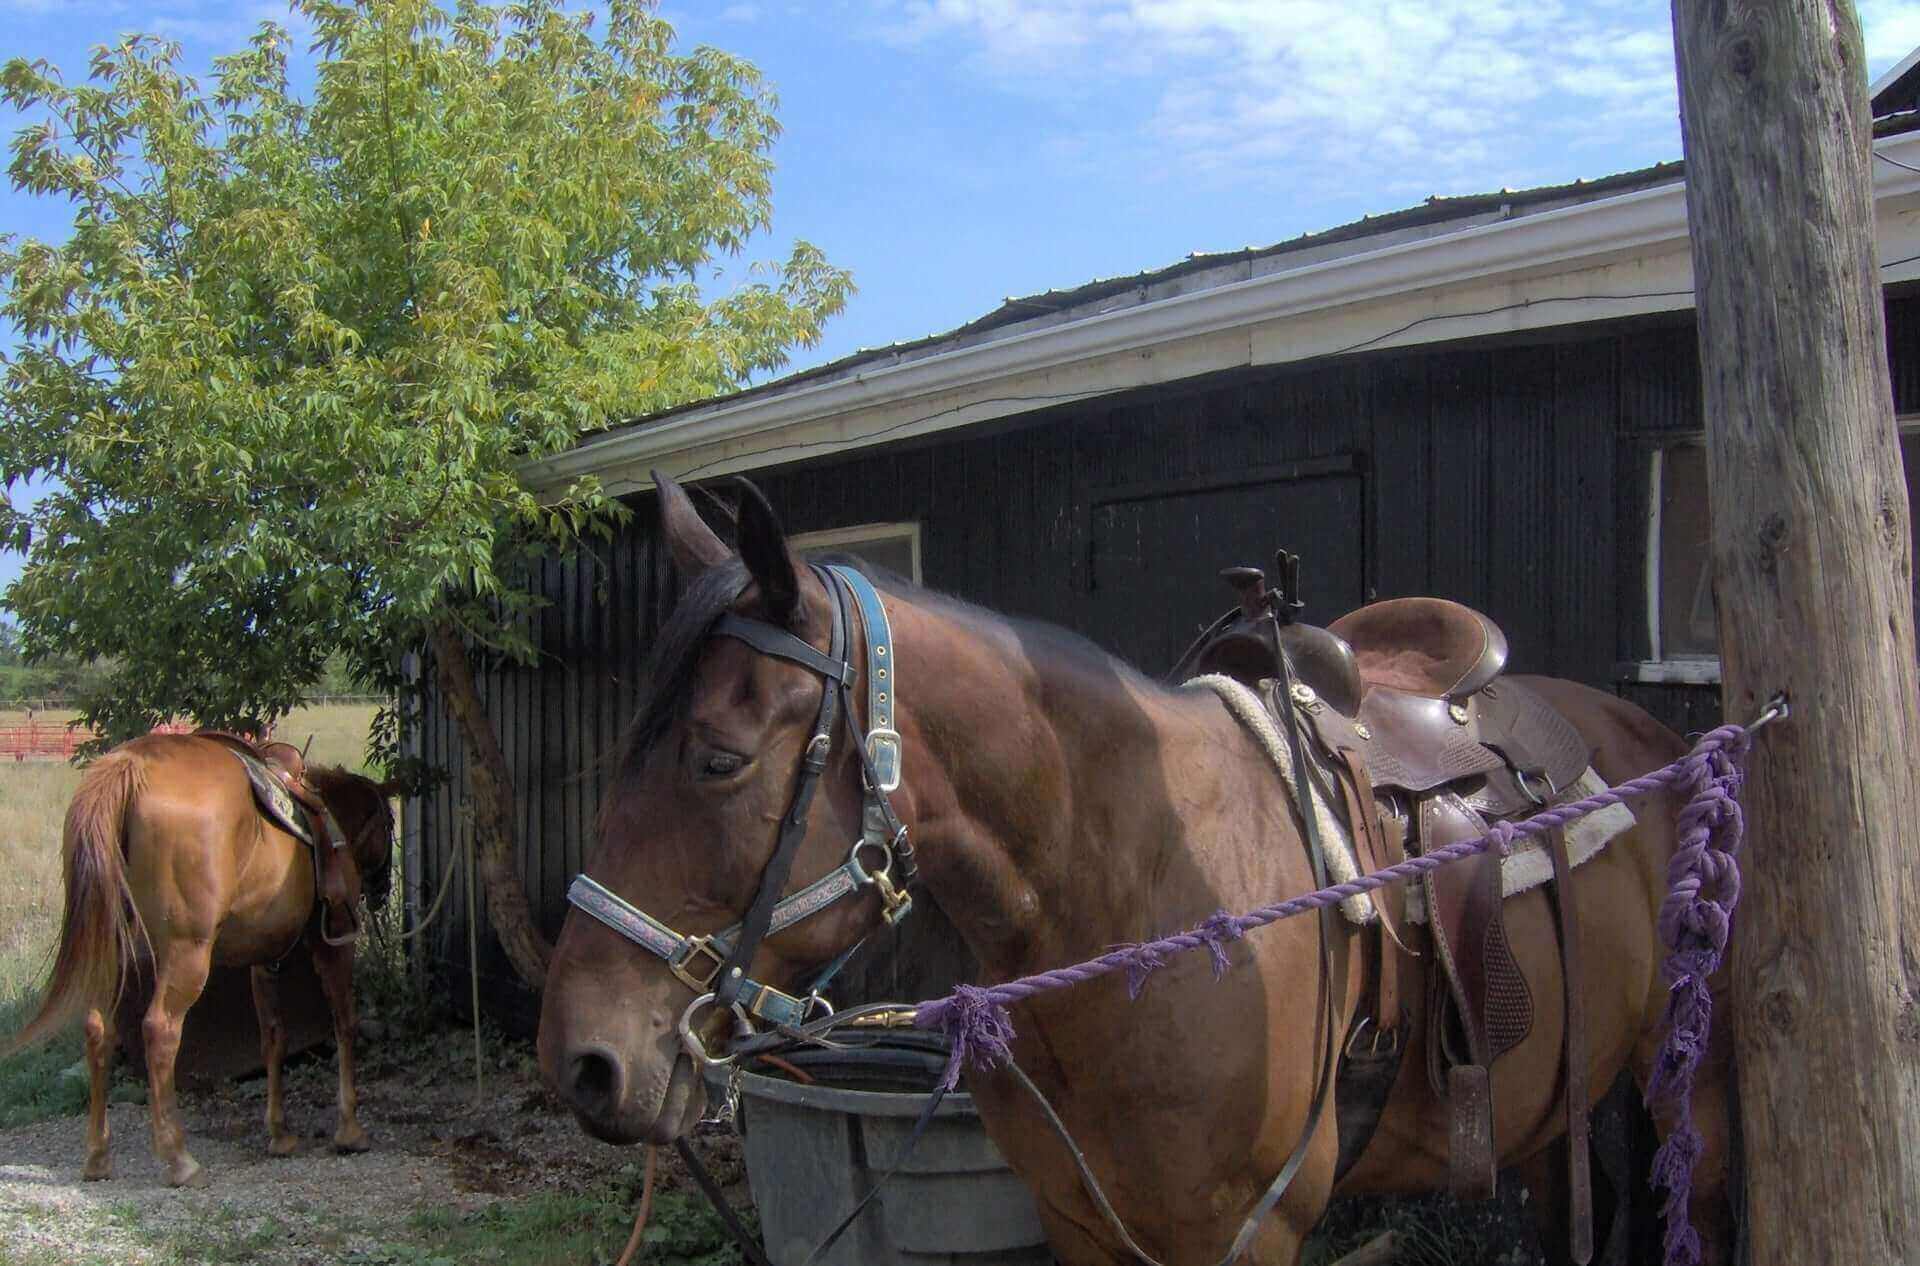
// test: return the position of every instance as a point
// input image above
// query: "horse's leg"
(99, 1064)
(1545, 1176)
(335, 965)
(273, 1048)
(1710, 1204)
(179, 976)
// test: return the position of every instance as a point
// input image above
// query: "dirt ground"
(434, 1148)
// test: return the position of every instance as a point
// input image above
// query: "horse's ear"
(763, 547)
(695, 548)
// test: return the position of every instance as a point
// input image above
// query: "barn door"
(1154, 553)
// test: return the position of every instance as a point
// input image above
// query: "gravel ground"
(433, 1147)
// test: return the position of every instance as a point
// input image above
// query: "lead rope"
(646, 1207)
(749, 1246)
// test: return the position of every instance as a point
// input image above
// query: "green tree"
(290, 363)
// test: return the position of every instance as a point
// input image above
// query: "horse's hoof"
(346, 1144)
(284, 1145)
(187, 1174)
(97, 1171)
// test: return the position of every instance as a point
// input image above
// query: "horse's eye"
(720, 764)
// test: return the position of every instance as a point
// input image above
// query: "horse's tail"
(100, 930)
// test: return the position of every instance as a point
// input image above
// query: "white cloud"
(1440, 89)
(1892, 29)
(221, 26)
(63, 8)
(740, 13)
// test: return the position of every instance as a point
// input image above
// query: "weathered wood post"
(1813, 581)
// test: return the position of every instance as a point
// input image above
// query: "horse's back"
(200, 854)
(193, 790)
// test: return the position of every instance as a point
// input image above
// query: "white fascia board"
(1893, 72)
(1590, 261)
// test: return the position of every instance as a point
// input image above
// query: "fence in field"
(56, 740)
(51, 704)
(40, 740)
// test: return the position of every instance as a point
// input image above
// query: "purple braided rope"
(1694, 920)
(1703, 886)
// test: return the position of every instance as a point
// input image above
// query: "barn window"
(1682, 633)
(1680, 623)
(894, 546)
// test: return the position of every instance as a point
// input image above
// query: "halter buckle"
(883, 749)
(689, 947)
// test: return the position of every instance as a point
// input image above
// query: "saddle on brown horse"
(278, 773)
(1428, 746)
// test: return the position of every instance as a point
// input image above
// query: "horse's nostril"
(594, 1085)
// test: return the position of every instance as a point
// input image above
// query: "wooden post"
(1813, 583)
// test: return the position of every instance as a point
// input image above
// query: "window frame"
(863, 534)
(1658, 668)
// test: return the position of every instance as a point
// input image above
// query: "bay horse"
(169, 862)
(1061, 804)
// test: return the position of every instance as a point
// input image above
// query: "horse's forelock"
(670, 662)
(676, 651)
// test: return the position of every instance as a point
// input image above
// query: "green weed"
(552, 1229)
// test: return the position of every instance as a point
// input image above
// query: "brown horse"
(1061, 804)
(168, 860)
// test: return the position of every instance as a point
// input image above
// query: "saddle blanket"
(1527, 866)
(274, 799)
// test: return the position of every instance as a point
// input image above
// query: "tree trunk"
(492, 784)
(1813, 583)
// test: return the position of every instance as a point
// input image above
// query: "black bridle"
(719, 977)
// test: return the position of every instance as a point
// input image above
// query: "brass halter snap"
(895, 902)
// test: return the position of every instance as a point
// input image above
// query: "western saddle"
(1428, 746)
(278, 771)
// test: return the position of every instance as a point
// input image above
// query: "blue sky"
(954, 152)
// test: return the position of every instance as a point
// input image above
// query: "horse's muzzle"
(596, 1083)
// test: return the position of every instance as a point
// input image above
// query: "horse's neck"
(347, 805)
(1063, 801)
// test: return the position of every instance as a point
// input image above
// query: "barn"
(1493, 398)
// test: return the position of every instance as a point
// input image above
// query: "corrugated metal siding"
(1511, 477)
(554, 720)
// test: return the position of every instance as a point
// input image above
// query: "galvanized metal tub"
(813, 1151)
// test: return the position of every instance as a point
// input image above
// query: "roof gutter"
(1560, 240)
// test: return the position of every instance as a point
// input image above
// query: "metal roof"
(1898, 92)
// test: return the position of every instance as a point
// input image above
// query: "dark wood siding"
(1509, 476)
